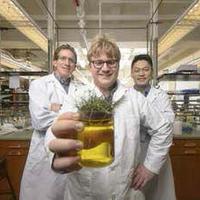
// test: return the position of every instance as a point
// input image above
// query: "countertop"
(195, 134)
(24, 134)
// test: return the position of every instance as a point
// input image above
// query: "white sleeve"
(49, 136)
(68, 106)
(41, 116)
(161, 136)
(165, 106)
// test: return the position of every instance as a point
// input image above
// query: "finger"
(136, 172)
(64, 145)
(135, 183)
(66, 128)
(138, 179)
(142, 184)
(66, 164)
(138, 183)
(69, 115)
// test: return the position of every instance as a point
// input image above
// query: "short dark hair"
(145, 57)
(67, 47)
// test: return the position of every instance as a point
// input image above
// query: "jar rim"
(96, 116)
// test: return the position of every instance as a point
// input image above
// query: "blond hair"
(104, 44)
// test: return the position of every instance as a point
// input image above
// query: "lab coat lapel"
(57, 89)
(92, 87)
(73, 87)
(57, 85)
(119, 93)
(153, 93)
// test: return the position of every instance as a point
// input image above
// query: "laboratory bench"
(185, 158)
(184, 153)
(14, 147)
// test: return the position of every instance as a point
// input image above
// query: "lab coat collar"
(118, 94)
(56, 83)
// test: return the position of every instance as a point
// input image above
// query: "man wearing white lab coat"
(161, 187)
(114, 181)
(46, 96)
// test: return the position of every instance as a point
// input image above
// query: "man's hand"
(141, 176)
(67, 125)
(66, 159)
(65, 146)
(55, 107)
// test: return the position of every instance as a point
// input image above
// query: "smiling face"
(65, 63)
(141, 73)
(104, 71)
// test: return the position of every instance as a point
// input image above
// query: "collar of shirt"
(144, 91)
(64, 82)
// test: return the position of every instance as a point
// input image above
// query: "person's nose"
(141, 72)
(105, 67)
(67, 62)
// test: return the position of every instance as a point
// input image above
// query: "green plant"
(95, 106)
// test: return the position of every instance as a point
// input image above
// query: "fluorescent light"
(15, 14)
(194, 12)
(185, 24)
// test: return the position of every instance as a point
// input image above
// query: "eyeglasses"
(98, 64)
(70, 60)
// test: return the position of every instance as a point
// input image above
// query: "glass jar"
(98, 140)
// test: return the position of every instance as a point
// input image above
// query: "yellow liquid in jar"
(98, 142)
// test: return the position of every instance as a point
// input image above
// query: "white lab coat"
(161, 187)
(39, 181)
(113, 181)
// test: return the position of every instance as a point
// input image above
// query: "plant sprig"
(95, 104)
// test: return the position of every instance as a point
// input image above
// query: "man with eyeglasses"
(46, 96)
(114, 181)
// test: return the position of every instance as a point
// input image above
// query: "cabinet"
(185, 158)
(185, 151)
(15, 152)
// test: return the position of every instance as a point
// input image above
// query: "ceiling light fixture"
(185, 24)
(15, 14)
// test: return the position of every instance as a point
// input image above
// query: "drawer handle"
(191, 151)
(17, 146)
(190, 144)
(14, 153)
